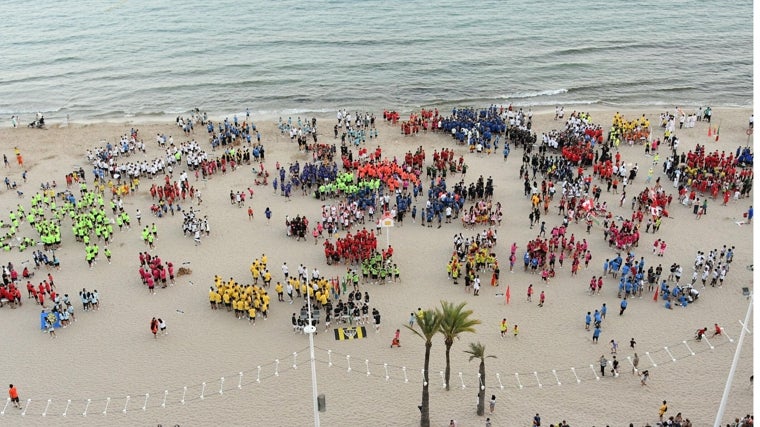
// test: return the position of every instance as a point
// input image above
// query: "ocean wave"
(522, 95)
(562, 102)
(677, 88)
(615, 46)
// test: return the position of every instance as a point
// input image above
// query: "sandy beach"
(110, 353)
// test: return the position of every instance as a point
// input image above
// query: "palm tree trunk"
(447, 374)
(482, 391)
(425, 407)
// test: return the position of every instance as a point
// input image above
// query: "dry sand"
(110, 353)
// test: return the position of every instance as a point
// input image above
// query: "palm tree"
(454, 321)
(429, 325)
(478, 351)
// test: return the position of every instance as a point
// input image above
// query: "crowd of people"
(153, 271)
(245, 301)
(195, 225)
(370, 182)
(251, 301)
(477, 254)
(352, 248)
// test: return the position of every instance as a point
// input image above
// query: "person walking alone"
(13, 395)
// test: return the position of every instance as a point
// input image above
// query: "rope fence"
(363, 367)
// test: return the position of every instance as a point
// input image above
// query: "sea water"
(101, 60)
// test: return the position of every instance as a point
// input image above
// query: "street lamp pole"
(310, 329)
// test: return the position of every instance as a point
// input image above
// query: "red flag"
(508, 294)
(655, 296)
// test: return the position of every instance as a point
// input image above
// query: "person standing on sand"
(597, 332)
(376, 316)
(663, 407)
(530, 292)
(162, 326)
(396, 339)
(289, 290)
(644, 377)
(602, 364)
(154, 327)
(492, 404)
(541, 299)
(50, 328)
(635, 363)
(13, 394)
(503, 327)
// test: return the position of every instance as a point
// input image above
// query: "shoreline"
(58, 119)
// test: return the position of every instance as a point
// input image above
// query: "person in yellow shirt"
(252, 316)
(227, 300)
(278, 289)
(238, 304)
(264, 310)
(212, 297)
(267, 278)
(217, 300)
(263, 261)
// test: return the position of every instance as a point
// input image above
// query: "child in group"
(50, 328)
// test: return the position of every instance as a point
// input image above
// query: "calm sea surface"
(116, 59)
